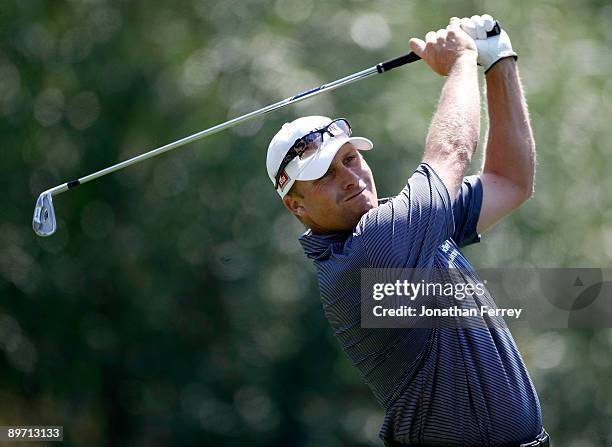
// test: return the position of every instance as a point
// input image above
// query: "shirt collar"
(315, 245)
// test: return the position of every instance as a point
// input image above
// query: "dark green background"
(174, 306)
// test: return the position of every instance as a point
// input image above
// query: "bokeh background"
(174, 305)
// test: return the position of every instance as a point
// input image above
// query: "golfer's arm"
(455, 128)
(509, 165)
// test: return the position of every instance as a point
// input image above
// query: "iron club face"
(44, 223)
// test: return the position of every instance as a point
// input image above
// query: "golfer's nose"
(350, 179)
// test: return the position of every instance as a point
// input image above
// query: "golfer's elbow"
(528, 184)
(526, 194)
(530, 191)
(526, 187)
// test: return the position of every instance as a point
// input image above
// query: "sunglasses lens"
(340, 127)
(311, 143)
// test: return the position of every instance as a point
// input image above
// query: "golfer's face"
(336, 201)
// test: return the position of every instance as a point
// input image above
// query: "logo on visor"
(283, 179)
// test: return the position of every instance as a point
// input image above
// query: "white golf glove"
(490, 49)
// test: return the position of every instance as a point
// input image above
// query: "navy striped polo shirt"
(439, 386)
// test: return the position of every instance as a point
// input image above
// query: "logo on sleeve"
(452, 252)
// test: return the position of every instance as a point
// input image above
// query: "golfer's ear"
(294, 204)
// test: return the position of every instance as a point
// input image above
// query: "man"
(439, 386)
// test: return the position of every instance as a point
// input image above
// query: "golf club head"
(44, 223)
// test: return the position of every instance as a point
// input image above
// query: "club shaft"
(379, 68)
(218, 128)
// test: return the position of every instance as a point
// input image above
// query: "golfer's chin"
(358, 207)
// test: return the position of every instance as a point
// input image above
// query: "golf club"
(44, 221)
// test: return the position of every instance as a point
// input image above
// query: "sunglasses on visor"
(307, 145)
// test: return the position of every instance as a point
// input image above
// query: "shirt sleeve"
(466, 211)
(406, 231)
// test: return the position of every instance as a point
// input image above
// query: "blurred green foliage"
(174, 306)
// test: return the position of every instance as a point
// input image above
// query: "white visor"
(314, 166)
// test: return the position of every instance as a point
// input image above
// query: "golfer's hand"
(490, 49)
(442, 49)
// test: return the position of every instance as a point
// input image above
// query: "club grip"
(412, 57)
(397, 62)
